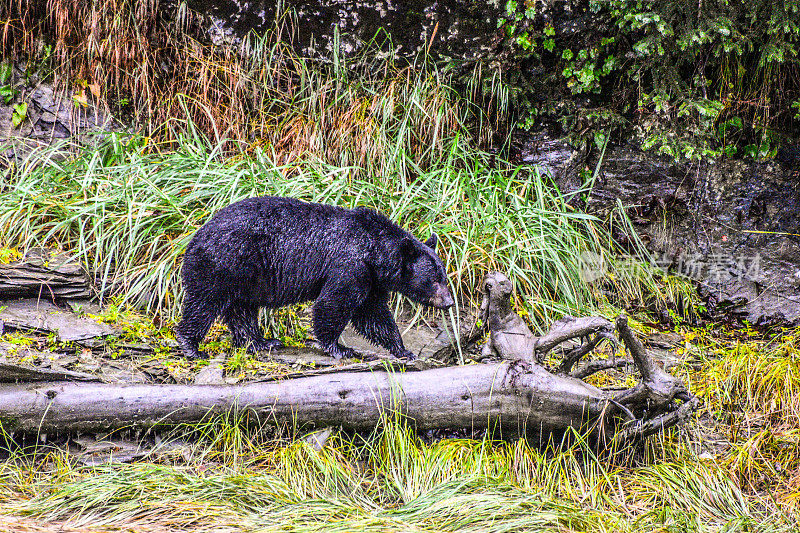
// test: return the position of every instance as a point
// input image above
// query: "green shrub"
(695, 80)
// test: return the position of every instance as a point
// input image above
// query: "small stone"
(211, 374)
(95, 453)
(318, 439)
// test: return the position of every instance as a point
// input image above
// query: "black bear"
(270, 252)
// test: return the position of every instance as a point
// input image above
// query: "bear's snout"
(442, 299)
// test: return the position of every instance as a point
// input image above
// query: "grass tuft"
(393, 481)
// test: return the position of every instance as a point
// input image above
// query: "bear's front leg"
(334, 309)
(375, 322)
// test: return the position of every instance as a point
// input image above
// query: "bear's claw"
(339, 352)
(407, 355)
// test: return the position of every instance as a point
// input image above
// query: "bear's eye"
(489, 285)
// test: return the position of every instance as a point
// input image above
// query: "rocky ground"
(49, 116)
(731, 226)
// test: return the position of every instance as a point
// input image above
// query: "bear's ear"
(408, 248)
(431, 242)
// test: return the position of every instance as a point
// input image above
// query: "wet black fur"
(270, 252)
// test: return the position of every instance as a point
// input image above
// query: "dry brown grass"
(20, 524)
(750, 386)
(108, 46)
(154, 66)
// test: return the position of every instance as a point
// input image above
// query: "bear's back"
(273, 213)
(286, 246)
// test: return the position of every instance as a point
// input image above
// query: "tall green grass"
(127, 211)
(262, 120)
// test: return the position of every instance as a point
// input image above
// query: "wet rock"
(52, 117)
(16, 373)
(44, 317)
(154, 370)
(211, 374)
(732, 226)
(128, 349)
(172, 447)
(44, 274)
(555, 156)
(643, 182)
(463, 30)
(318, 439)
(114, 373)
(100, 452)
(789, 155)
(82, 306)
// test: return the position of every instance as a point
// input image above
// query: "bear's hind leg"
(196, 319)
(242, 322)
(375, 322)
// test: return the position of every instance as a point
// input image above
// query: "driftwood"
(40, 275)
(476, 396)
(512, 397)
(512, 340)
(509, 335)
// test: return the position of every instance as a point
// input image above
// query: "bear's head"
(422, 275)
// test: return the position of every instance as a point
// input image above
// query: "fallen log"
(515, 396)
(479, 396)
